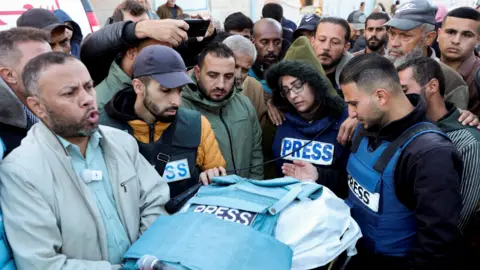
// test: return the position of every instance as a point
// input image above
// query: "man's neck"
(126, 67)
(18, 93)
(436, 109)
(81, 142)
(454, 64)
(144, 114)
(400, 108)
(170, 5)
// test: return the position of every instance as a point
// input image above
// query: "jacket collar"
(11, 108)
(116, 76)
(449, 122)
(467, 66)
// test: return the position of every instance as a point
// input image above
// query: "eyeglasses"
(297, 87)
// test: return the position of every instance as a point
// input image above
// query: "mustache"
(171, 108)
(325, 54)
(270, 55)
(373, 38)
(89, 111)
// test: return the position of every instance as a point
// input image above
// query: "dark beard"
(67, 129)
(155, 111)
(380, 44)
(333, 64)
(204, 93)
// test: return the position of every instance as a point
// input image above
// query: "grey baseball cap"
(42, 19)
(412, 14)
(309, 23)
(357, 19)
(164, 64)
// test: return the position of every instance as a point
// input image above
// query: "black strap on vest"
(166, 140)
(392, 148)
(357, 139)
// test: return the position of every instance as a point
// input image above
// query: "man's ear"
(37, 107)
(430, 37)
(432, 87)
(196, 69)
(139, 88)
(381, 96)
(132, 53)
(347, 47)
(9, 75)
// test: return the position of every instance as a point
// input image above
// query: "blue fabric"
(252, 74)
(296, 132)
(229, 224)
(388, 227)
(288, 24)
(101, 191)
(6, 258)
(77, 35)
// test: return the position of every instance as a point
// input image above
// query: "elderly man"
(411, 33)
(75, 195)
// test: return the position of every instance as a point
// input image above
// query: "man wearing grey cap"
(307, 26)
(178, 142)
(46, 20)
(412, 32)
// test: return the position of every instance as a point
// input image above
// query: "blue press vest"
(388, 227)
(228, 225)
(296, 132)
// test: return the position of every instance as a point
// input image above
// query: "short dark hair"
(338, 21)
(362, 4)
(238, 21)
(464, 13)
(130, 6)
(221, 36)
(425, 69)
(397, 2)
(40, 63)
(377, 16)
(273, 11)
(9, 40)
(217, 49)
(369, 71)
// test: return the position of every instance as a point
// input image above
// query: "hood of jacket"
(301, 50)
(192, 93)
(331, 104)
(345, 58)
(312, 128)
(64, 17)
(11, 108)
(121, 106)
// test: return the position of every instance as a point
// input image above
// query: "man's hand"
(347, 129)
(205, 15)
(276, 116)
(168, 31)
(467, 118)
(206, 176)
(301, 170)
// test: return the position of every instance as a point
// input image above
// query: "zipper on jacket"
(124, 185)
(229, 140)
(152, 132)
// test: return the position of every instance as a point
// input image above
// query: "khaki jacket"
(253, 89)
(51, 219)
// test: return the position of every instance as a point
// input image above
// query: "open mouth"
(93, 117)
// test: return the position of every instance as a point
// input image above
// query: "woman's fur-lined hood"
(331, 104)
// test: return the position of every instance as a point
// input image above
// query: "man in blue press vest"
(404, 174)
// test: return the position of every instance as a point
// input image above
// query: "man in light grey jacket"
(75, 195)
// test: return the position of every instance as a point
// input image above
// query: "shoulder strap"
(404, 139)
(357, 138)
(477, 83)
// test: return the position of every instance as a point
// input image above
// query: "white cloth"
(318, 230)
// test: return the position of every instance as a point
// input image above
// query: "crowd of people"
(98, 133)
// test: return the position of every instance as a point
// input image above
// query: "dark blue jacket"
(77, 36)
(324, 152)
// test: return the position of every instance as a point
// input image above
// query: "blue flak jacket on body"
(389, 228)
(324, 152)
(6, 259)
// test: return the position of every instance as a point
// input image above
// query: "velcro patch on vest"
(226, 213)
(371, 200)
(176, 171)
(319, 153)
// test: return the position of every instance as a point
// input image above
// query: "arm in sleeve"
(209, 155)
(100, 48)
(257, 154)
(437, 204)
(470, 186)
(459, 96)
(154, 191)
(31, 226)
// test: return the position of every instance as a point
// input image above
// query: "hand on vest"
(467, 118)
(206, 176)
(300, 170)
(347, 129)
(276, 116)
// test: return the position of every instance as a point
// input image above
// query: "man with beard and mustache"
(411, 33)
(233, 117)
(375, 34)
(178, 142)
(330, 43)
(75, 195)
(267, 37)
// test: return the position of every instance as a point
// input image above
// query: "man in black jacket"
(404, 174)
(101, 48)
(17, 46)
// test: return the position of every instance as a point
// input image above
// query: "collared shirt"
(101, 190)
